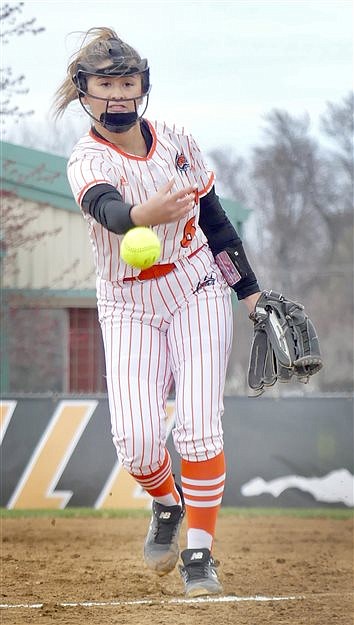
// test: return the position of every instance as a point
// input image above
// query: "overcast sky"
(216, 67)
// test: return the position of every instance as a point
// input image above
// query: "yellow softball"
(140, 247)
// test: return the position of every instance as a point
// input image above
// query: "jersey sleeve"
(84, 171)
(204, 176)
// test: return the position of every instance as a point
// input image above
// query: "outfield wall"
(288, 452)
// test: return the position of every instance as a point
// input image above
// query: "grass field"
(305, 513)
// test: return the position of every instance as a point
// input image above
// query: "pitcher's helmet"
(123, 61)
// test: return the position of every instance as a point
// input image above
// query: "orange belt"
(157, 271)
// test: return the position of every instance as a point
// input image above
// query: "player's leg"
(138, 378)
(200, 340)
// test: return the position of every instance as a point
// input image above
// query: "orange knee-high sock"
(161, 484)
(203, 486)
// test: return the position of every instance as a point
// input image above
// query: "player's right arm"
(164, 206)
(106, 205)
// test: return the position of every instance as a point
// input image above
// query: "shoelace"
(200, 569)
(165, 529)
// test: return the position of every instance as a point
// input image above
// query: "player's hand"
(251, 301)
(164, 207)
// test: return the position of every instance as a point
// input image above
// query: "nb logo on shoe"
(165, 515)
(197, 555)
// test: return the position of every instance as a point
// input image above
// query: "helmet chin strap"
(117, 122)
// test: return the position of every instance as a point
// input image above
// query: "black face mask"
(118, 122)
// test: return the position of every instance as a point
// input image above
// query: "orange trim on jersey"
(208, 186)
(126, 154)
(88, 186)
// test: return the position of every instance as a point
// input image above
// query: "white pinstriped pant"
(157, 331)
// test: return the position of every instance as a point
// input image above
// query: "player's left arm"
(227, 248)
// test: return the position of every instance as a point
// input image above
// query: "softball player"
(170, 323)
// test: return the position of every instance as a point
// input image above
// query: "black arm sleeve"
(221, 234)
(106, 205)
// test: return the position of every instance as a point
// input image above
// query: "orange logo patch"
(181, 162)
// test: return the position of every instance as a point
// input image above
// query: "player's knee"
(202, 449)
(135, 459)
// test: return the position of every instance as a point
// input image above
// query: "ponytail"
(94, 51)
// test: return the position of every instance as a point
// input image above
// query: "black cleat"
(199, 574)
(161, 549)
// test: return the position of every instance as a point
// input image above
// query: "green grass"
(77, 513)
(301, 513)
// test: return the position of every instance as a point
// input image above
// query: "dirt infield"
(302, 568)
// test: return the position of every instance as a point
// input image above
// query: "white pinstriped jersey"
(172, 154)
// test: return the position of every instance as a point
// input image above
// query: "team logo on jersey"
(181, 162)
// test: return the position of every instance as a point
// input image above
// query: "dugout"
(50, 337)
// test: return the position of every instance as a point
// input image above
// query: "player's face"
(119, 91)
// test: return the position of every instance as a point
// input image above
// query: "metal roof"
(36, 176)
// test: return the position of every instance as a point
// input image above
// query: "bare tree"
(54, 137)
(336, 289)
(11, 86)
(288, 200)
(301, 193)
(338, 124)
(233, 170)
(303, 198)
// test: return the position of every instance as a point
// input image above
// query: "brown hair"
(91, 53)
